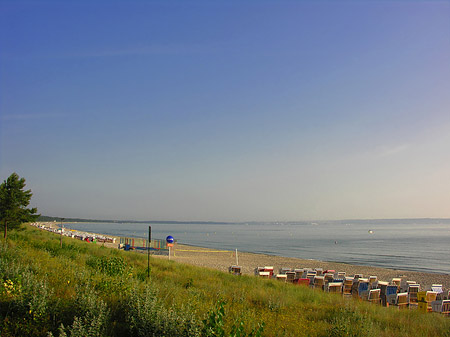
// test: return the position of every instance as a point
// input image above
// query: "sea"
(408, 244)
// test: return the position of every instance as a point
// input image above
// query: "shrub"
(214, 326)
(111, 266)
(148, 316)
(92, 319)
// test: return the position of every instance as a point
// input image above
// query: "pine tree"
(13, 204)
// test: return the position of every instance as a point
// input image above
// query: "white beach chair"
(340, 275)
(334, 287)
(264, 274)
(401, 301)
(413, 289)
(319, 282)
(374, 296)
(437, 288)
(281, 277)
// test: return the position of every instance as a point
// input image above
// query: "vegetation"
(83, 289)
(13, 203)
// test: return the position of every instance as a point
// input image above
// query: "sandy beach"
(222, 259)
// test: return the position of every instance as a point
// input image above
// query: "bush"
(92, 319)
(112, 266)
(148, 316)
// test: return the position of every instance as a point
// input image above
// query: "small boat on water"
(370, 231)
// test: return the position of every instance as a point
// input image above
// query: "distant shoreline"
(162, 222)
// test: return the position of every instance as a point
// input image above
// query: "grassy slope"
(99, 291)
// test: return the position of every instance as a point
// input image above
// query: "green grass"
(84, 289)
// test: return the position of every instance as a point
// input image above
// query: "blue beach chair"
(363, 289)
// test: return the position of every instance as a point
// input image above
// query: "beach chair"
(391, 294)
(303, 282)
(258, 270)
(281, 277)
(382, 285)
(373, 282)
(319, 271)
(413, 289)
(338, 280)
(374, 296)
(311, 274)
(437, 288)
(284, 270)
(334, 287)
(397, 281)
(404, 286)
(357, 276)
(424, 300)
(235, 270)
(422, 304)
(363, 289)
(269, 269)
(436, 306)
(290, 276)
(264, 274)
(401, 301)
(347, 288)
(445, 307)
(319, 282)
(298, 273)
(340, 275)
(328, 277)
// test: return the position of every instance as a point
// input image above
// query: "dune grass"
(84, 289)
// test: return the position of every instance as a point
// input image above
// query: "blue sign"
(170, 239)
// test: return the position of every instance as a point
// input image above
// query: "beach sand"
(221, 260)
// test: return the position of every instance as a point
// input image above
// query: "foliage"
(148, 316)
(13, 203)
(214, 326)
(108, 265)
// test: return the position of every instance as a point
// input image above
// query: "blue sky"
(228, 110)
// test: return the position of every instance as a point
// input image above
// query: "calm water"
(421, 245)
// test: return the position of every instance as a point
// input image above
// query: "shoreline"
(220, 259)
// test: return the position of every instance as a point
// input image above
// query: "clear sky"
(228, 110)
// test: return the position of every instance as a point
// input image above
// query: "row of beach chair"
(399, 293)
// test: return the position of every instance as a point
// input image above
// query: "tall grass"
(84, 289)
